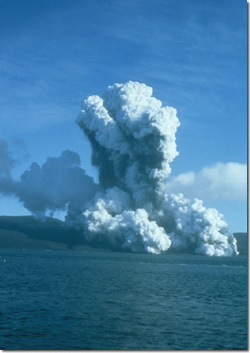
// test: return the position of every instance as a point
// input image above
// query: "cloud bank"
(221, 181)
(133, 207)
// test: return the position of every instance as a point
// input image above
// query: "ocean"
(62, 300)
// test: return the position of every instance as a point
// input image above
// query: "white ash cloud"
(191, 226)
(111, 216)
(133, 141)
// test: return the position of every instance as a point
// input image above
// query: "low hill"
(27, 232)
(48, 229)
(10, 239)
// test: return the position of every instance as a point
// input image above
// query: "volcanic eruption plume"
(133, 143)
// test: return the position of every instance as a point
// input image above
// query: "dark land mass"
(27, 232)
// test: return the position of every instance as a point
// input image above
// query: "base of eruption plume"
(133, 143)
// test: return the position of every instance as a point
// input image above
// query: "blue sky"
(192, 52)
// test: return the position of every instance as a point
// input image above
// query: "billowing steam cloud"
(133, 145)
(133, 141)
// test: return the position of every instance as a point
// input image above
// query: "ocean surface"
(56, 300)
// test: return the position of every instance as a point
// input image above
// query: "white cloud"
(221, 181)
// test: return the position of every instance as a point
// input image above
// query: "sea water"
(55, 300)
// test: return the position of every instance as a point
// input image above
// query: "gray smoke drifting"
(133, 142)
(53, 186)
(59, 182)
